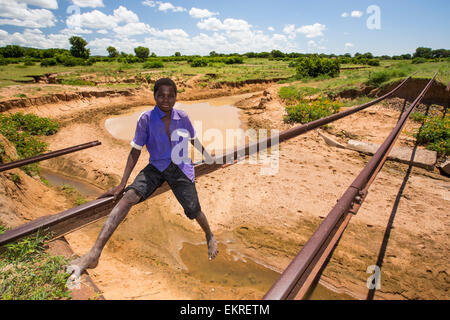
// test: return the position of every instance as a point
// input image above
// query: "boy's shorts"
(150, 178)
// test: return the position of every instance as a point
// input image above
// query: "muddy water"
(58, 179)
(232, 269)
(229, 268)
(204, 117)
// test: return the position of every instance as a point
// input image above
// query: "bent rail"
(295, 281)
(45, 156)
(78, 217)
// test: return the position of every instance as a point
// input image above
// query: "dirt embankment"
(438, 93)
(265, 217)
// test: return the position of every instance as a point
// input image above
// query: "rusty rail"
(45, 156)
(295, 281)
(62, 223)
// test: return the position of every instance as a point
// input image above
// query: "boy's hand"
(116, 192)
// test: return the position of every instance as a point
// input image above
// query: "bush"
(48, 62)
(153, 64)
(373, 62)
(377, 78)
(199, 63)
(435, 134)
(307, 111)
(417, 116)
(294, 94)
(315, 66)
(418, 60)
(29, 273)
(22, 130)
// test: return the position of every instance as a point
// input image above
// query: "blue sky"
(201, 26)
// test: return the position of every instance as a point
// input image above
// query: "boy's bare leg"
(210, 240)
(90, 259)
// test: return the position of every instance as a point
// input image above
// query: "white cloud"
(349, 45)
(211, 24)
(88, 3)
(201, 13)
(271, 29)
(102, 31)
(47, 4)
(75, 31)
(233, 27)
(169, 33)
(35, 38)
(18, 14)
(98, 20)
(290, 31)
(312, 43)
(163, 6)
(344, 15)
(310, 31)
(356, 14)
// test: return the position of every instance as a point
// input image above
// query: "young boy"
(160, 130)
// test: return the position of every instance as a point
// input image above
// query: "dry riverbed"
(262, 219)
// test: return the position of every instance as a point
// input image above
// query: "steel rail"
(296, 279)
(70, 220)
(45, 156)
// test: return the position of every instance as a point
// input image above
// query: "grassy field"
(115, 75)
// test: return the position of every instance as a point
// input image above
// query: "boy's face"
(165, 98)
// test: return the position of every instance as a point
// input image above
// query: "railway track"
(296, 280)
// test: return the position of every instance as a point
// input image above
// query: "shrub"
(373, 62)
(377, 78)
(307, 111)
(29, 273)
(435, 134)
(418, 60)
(294, 94)
(199, 63)
(417, 116)
(315, 66)
(48, 62)
(153, 64)
(22, 130)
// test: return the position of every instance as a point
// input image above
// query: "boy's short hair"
(164, 82)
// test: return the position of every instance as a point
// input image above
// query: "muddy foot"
(212, 247)
(77, 266)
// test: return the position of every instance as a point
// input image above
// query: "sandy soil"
(266, 218)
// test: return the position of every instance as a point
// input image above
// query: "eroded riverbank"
(268, 217)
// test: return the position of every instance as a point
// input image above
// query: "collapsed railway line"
(298, 277)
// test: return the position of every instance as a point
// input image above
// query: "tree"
(422, 52)
(112, 52)
(78, 48)
(142, 52)
(177, 54)
(440, 53)
(277, 54)
(12, 51)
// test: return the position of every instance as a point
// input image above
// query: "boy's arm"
(133, 158)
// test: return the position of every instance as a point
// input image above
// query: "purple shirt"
(151, 132)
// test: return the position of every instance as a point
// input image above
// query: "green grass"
(23, 132)
(435, 134)
(306, 111)
(27, 272)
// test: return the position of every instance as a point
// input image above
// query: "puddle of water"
(227, 269)
(204, 117)
(232, 269)
(57, 179)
